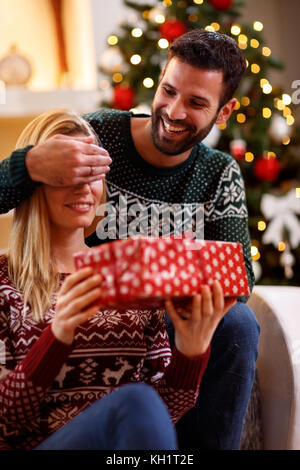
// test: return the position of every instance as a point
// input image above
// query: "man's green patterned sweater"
(209, 181)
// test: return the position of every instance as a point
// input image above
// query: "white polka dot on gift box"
(163, 266)
(225, 262)
(100, 259)
(154, 267)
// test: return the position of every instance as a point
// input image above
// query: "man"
(161, 160)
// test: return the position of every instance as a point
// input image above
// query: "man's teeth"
(170, 128)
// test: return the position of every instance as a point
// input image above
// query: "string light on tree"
(266, 51)
(249, 157)
(216, 26)
(241, 118)
(267, 88)
(263, 81)
(137, 32)
(254, 43)
(290, 120)
(286, 99)
(235, 29)
(258, 26)
(112, 40)
(146, 14)
(209, 28)
(117, 77)
(163, 43)
(255, 253)
(287, 112)
(261, 226)
(157, 15)
(279, 104)
(193, 17)
(148, 82)
(245, 101)
(243, 41)
(255, 68)
(267, 113)
(135, 59)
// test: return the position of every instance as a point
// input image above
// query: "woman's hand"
(73, 306)
(194, 330)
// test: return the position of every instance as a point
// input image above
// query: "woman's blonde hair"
(30, 265)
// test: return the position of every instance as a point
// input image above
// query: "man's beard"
(169, 146)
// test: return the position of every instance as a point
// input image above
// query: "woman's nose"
(82, 188)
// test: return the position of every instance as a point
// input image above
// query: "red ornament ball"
(267, 169)
(221, 5)
(172, 29)
(123, 97)
(238, 148)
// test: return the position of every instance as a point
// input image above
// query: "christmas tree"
(261, 134)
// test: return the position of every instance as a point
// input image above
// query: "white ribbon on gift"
(281, 211)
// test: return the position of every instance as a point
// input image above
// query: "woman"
(64, 357)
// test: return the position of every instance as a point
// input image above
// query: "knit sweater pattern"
(208, 177)
(209, 181)
(45, 383)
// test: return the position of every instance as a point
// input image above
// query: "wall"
(36, 43)
(10, 129)
(30, 25)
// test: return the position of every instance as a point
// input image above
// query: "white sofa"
(277, 309)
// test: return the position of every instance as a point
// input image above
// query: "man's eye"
(168, 91)
(195, 103)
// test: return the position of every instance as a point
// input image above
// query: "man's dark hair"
(213, 51)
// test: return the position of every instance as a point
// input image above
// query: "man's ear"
(225, 111)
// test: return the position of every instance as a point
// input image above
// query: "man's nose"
(176, 110)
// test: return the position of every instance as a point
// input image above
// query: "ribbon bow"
(282, 211)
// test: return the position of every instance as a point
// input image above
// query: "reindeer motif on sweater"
(117, 374)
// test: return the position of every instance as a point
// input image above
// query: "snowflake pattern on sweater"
(44, 383)
(208, 180)
(208, 177)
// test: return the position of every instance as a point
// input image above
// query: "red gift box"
(143, 271)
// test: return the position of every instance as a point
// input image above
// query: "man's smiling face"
(185, 106)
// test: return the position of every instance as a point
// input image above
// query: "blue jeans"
(216, 421)
(131, 418)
